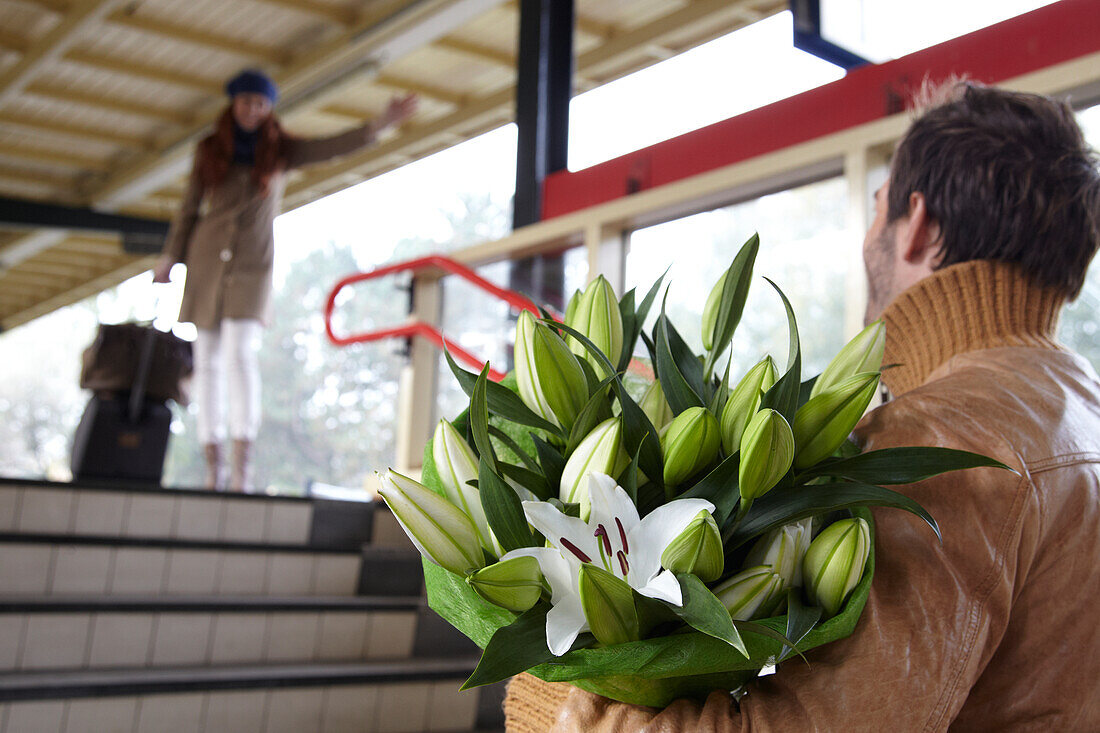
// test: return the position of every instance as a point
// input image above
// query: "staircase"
(134, 609)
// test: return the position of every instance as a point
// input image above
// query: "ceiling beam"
(81, 16)
(112, 104)
(332, 13)
(65, 128)
(132, 68)
(178, 32)
(487, 54)
(427, 91)
(58, 7)
(342, 110)
(34, 176)
(54, 158)
(14, 42)
(41, 306)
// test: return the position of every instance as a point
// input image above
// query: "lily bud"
(782, 550)
(751, 593)
(438, 528)
(861, 354)
(655, 406)
(823, 424)
(456, 465)
(571, 307)
(549, 377)
(515, 584)
(743, 403)
(599, 452)
(608, 605)
(710, 311)
(689, 443)
(697, 550)
(597, 316)
(767, 450)
(834, 563)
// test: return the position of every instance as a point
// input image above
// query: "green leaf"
(650, 346)
(479, 420)
(719, 487)
(783, 396)
(595, 411)
(779, 507)
(630, 336)
(735, 291)
(703, 611)
(800, 619)
(533, 481)
(551, 461)
(502, 401)
(678, 391)
(640, 437)
(513, 446)
(691, 366)
(629, 478)
(901, 465)
(722, 394)
(805, 390)
(589, 346)
(503, 509)
(513, 649)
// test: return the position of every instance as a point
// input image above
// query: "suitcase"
(109, 445)
(124, 435)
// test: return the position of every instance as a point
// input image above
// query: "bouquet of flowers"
(660, 546)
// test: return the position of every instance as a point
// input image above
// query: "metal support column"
(543, 89)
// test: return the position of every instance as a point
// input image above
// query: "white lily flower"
(614, 538)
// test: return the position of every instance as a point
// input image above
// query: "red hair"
(215, 152)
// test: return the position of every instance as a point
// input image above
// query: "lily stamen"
(575, 550)
(622, 535)
(623, 564)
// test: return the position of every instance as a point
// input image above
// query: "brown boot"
(241, 477)
(215, 467)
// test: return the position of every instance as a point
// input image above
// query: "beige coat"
(225, 235)
(992, 630)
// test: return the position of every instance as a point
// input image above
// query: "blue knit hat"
(252, 81)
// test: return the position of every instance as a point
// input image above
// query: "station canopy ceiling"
(102, 101)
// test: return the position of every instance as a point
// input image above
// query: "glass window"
(805, 248)
(1081, 320)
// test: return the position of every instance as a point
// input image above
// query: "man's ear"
(920, 235)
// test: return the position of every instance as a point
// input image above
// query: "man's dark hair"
(1009, 177)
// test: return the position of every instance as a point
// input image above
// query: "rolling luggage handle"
(145, 364)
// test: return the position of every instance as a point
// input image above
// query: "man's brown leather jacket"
(996, 628)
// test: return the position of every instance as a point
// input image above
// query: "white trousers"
(226, 365)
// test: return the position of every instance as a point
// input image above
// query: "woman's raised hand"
(398, 110)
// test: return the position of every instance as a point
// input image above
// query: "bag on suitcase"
(124, 431)
(111, 361)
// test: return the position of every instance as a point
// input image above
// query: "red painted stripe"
(1044, 37)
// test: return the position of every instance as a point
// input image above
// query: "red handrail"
(419, 328)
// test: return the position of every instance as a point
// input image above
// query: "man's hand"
(162, 271)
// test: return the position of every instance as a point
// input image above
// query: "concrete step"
(379, 697)
(144, 512)
(108, 633)
(59, 565)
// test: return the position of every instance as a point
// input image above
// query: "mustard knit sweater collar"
(964, 307)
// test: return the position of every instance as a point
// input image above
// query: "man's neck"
(964, 307)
